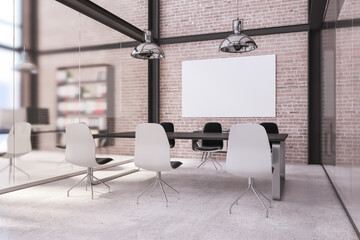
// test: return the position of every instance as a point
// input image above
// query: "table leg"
(282, 159)
(276, 163)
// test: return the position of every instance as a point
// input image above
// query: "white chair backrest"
(80, 145)
(9, 116)
(19, 139)
(248, 153)
(152, 149)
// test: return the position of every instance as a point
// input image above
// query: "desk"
(278, 150)
(7, 130)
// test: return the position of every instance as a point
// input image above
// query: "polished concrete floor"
(309, 208)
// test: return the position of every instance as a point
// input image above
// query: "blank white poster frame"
(229, 87)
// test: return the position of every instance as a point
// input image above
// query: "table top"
(190, 135)
(7, 130)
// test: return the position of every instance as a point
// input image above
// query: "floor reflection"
(40, 165)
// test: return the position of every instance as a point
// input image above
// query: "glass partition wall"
(79, 79)
(341, 101)
(10, 80)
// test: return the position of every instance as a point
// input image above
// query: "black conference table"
(278, 150)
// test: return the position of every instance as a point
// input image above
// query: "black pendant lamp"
(237, 42)
(148, 49)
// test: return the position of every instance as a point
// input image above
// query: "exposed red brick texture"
(291, 99)
(59, 24)
(59, 29)
(347, 95)
(179, 18)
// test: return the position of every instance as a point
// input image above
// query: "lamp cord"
(237, 4)
(79, 69)
(13, 113)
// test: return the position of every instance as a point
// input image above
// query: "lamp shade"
(237, 42)
(147, 50)
(25, 65)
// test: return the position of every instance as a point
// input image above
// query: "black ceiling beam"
(316, 14)
(342, 24)
(11, 48)
(91, 48)
(183, 39)
(105, 17)
(222, 35)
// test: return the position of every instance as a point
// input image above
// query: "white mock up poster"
(229, 87)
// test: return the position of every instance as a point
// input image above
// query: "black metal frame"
(154, 65)
(33, 52)
(316, 16)
(105, 17)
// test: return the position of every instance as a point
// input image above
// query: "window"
(9, 90)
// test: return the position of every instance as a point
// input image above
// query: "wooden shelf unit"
(96, 102)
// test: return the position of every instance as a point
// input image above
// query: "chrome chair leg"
(171, 188)
(213, 162)
(4, 168)
(203, 161)
(102, 182)
(237, 199)
(217, 162)
(207, 157)
(153, 183)
(91, 185)
(12, 170)
(76, 184)
(202, 156)
(259, 192)
(159, 180)
(256, 192)
(162, 189)
(87, 183)
(262, 203)
(152, 189)
(21, 171)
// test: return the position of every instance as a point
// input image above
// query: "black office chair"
(195, 144)
(169, 127)
(270, 127)
(210, 146)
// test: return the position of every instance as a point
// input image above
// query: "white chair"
(80, 150)
(152, 152)
(7, 116)
(249, 155)
(18, 144)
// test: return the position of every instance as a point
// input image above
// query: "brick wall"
(347, 95)
(350, 10)
(59, 24)
(179, 18)
(182, 18)
(291, 99)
